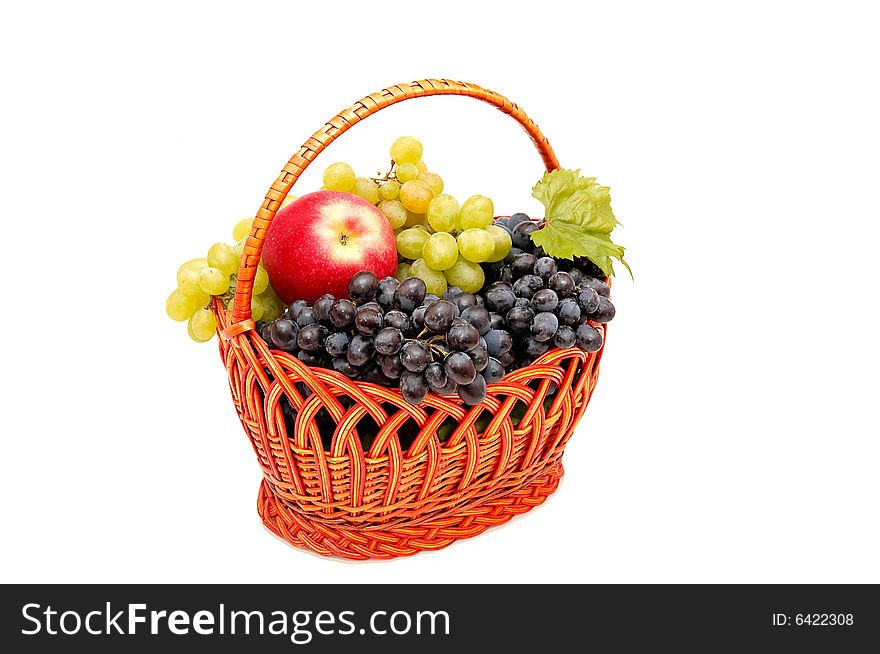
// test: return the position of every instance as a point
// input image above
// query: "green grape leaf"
(579, 220)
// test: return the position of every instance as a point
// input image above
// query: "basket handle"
(253, 248)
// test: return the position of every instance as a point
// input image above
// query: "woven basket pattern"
(394, 500)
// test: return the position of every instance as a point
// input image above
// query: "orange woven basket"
(391, 500)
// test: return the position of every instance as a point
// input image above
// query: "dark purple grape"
(522, 234)
(342, 366)
(389, 340)
(360, 350)
(564, 336)
(501, 222)
(527, 285)
(413, 387)
(415, 356)
(342, 314)
(336, 344)
(544, 325)
(430, 299)
(575, 275)
(311, 337)
(391, 365)
(459, 368)
(264, 329)
(452, 292)
(498, 341)
(545, 268)
(505, 274)
(507, 359)
(449, 389)
(539, 251)
(605, 312)
(597, 285)
(589, 339)
(478, 317)
(562, 283)
(535, 348)
(516, 219)
(368, 321)
(436, 377)
(473, 393)
(496, 321)
(362, 287)
(284, 334)
(398, 320)
(439, 316)
(462, 336)
(569, 312)
(510, 257)
(294, 309)
(385, 292)
(409, 294)
(321, 308)
(588, 299)
(374, 374)
(494, 371)
(519, 319)
(310, 358)
(480, 357)
(465, 300)
(306, 316)
(418, 318)
(545, 300)
(522, 302)
(522, 264)
(372, 304)
(500, 298)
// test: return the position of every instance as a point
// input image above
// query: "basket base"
(364, 544)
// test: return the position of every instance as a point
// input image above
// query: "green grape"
(242, 229)
(272, 307)
(261, 280)
(416, 195)
(287, 200)
(410, 242)
(414, 219)
(435, 281)
(202, 326)
(440, 251)
(466, 275)
(189, 272)
(407, 173)
(389, 190)
(256, 308)
(406, 150)
(193, 290)
(477, 211)
(367, 189)
(239, 247)
(181, 306)
(422, 166)
(402, 271)
(443, 213)
(394, 212)
(433, 180)
(222, 256)
(476, 245)
(339, 177)
(213, 281)
(502, 241)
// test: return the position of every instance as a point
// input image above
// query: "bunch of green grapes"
(198, 280)
(438, 240)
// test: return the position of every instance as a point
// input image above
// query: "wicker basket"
(392, 500)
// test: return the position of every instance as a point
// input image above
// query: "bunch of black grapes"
(395, 334)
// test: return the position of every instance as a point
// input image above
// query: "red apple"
(319, 241)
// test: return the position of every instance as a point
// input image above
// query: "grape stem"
(389, 176)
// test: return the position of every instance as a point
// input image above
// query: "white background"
(734, 433)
